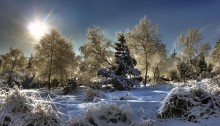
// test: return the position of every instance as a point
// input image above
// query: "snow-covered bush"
(105, 114)
(191, 103)
(20, 110)
(44, 115)
(92, 94)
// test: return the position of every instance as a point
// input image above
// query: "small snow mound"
(191, 102)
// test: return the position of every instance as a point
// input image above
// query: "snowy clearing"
(144, 104)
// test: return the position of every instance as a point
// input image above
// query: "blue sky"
(73, 17)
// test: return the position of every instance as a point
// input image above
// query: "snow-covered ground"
(145, 101)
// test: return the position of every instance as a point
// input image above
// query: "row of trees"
(55, 58)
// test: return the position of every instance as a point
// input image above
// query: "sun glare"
(37, 29)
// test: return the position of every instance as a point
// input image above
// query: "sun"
(38, 29)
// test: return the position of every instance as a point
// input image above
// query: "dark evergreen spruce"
(123, 75)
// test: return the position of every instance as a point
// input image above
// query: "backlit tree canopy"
(145, 41)
(13, 64)
(96, 52)
(54, 56)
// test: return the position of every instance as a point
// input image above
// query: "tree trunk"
(145, 77)
(50, 70)
(61, 78)
(146, 70)
(50, 66)
(49, 78)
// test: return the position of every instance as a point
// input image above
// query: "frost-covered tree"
(214, 58)
(13, 64)
(146, 45)
(123, 75)
(216, 53)
(54, 55)
(190, 42)
(30, 67)
(30, 73)
(194, 51)
(96, 53)
(30, 62)
(192, 45)
(204, 49)
(185, 70)
(156, 76)
(65, 61)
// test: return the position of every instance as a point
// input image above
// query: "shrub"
(191, 103)
(90, 94)
(105, 115)
(186, 71)
(206, 74)
(173, 75)
(18, 109)
(70, 87)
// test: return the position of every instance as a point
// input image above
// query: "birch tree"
(189, 43)
(192, 45)
(96, 52)
(144, 39)
(194, 51)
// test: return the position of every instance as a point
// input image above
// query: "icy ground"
(144, 101)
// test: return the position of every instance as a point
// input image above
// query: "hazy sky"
(73, 17)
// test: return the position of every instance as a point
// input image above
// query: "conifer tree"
(202, 64)
(123, 75)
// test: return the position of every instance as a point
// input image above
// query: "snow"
(144, 103)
